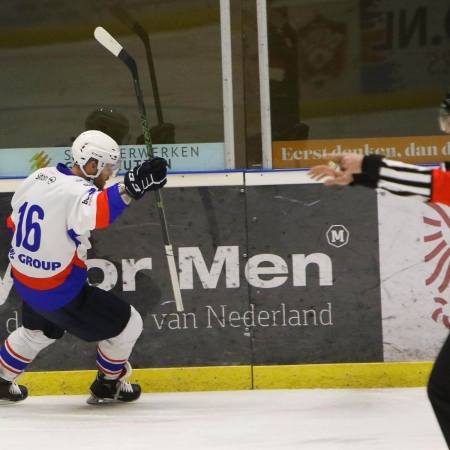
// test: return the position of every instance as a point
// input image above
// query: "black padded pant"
(93, 315)
(439, 389)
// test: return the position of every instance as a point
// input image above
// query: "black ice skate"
(11, 392)
(114, 391)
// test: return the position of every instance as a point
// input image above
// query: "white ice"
(384, 419)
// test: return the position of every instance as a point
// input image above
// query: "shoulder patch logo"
(88, 199)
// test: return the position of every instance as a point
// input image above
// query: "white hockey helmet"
(99, 146)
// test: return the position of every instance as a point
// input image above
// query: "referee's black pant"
(439, 389)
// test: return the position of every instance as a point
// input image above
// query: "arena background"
(347, 298)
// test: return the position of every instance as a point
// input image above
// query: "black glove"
(148, 176)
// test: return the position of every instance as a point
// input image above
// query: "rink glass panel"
(55, 72)
(356, 68)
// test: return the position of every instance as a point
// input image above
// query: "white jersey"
(53, 214)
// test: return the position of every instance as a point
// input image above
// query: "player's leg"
(100, 316)
(114, 369)
(439, 389)
(19, 350)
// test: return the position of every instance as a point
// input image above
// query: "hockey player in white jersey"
(53, 213)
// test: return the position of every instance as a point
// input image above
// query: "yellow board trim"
(225, 378)
(183, 379)
(341, 376)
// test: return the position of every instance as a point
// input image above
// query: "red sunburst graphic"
(439, 311)
(440, 255)
(441, 244)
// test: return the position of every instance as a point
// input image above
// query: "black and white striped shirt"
(395, 176)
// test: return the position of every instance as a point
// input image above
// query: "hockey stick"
(105, 39)
(121, 14)
(137, 28)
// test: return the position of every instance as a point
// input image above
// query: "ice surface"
(384, 419)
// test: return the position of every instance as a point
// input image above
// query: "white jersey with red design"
(53, 214)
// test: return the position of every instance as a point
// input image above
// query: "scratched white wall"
(409, 331)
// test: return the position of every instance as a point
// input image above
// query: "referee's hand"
(340, 169)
